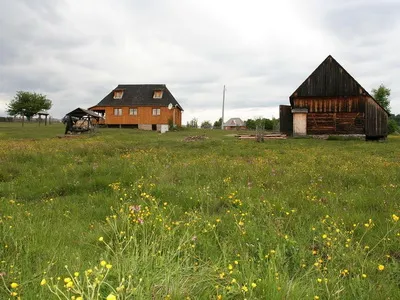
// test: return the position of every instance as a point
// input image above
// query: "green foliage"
(393, 127)
(382, 96)
(218, 124)
(28, 104)
(206, 125)
(146, 216)
(262, 123)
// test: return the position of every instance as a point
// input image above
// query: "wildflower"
(324, 236)
(230, 267)
(111, 297)
(381, 267)
(219, 297)
(14, 285)
(103, 263)
(244, 288)
(222, 275)
(101, 239)
(43, 282)
(236, 262)
(108, 266)
(79, 298)
(319, 280)
(364, 275)
(240, 223)
(76, 274)
(253, 285)
(14, 294)
(70, 284)
(316, 298)
(395, 218)
(233, 280)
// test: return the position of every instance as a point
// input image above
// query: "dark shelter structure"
(330, 101)
(80, 120)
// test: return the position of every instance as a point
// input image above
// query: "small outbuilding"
(81, 120)
(330, 101)
(234, 124)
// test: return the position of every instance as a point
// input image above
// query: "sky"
(76, 52)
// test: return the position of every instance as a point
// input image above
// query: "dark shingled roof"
(140, 95)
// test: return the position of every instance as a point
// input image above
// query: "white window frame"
(118, 94)
(133, 111)
(117, 111)
(156, 112)
(158, 94)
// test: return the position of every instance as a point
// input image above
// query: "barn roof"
(140, 95)
(330, 79)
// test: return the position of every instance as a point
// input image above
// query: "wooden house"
(143, 106)
(330, 101)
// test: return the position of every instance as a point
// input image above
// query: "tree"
(217, 124)
(28, 104)
(251, 124)
(206, 125)
(381, 95)
(193, 123)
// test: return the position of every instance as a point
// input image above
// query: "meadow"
(128, 214)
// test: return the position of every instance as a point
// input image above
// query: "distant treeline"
(19, 119)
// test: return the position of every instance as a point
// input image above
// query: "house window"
(133, 111)
(118, 94)
(156, 111)
(157, 94)
(117, 111)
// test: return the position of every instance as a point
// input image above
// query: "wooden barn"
(143, 106)
(330, 101)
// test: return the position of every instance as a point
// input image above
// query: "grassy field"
(127, 214)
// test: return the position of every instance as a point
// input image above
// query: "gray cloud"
(77, 51)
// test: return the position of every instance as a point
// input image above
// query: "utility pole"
(223, 108)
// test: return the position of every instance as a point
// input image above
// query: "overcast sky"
(76, 52)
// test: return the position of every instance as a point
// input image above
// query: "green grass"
(283, 219)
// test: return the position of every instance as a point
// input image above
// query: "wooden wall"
(341, 115)
(144, 115)
(376, 119)
(331, 104)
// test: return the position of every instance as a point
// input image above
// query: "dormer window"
(118, 94)
(157, 94)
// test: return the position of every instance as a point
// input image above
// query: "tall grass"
(139, 215)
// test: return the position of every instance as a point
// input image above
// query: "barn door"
(286, 119)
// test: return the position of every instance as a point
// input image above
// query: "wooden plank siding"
(144, 115)
(376, 119)
(341, 115)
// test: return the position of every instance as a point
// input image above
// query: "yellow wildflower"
(101, 239)
(253, 285)
(244, 288)
(14, 285)
(395, 218)
(381, 267)
(43, 282)
(103, 263)
(111, 297)
(109, 266)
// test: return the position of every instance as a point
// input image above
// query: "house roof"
(140, 95)
(330, 79)
(234, 122)
(80, 112)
